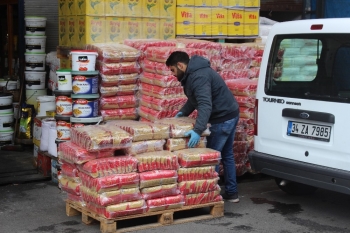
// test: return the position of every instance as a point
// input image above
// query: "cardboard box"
(71, 8)
(150, 28)
(133, 28)
(251, 29)
(90, 7)
(252, 3)
(219, 16)
(185, 29)
(133, 8)
(62, 8)
(185, 2)
(219, 29)
(167, 9)
(166, 29)
(251, 15)
(114, 8)
(184, 14)
(44, 164)
(235, 29)
(202, 29)
(151, 8)
(202, 15)
(235, 3)
(235, 16)
(72, 35)
(91, 30)
(115, 31)
(63, 31)
(219, 3)
(205, 3)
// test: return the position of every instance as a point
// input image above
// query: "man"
(207, 92)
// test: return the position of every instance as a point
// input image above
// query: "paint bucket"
(35, 44)
(83, 60)
(35, 61)
(35, 80)
(64, 80)
(85, 82)
(6, 136)
(45, 103)
(6, 109)
(31, 96)
(6, 121)
(35, 25)
(6, 99)
(85, 106)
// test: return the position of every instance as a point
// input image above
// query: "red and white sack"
(69, 185)
(196, 157)
(118, 68)
(245, 87)
(113, 52)
(118, 79)
(203, 198)
(245, 101)
(256, 61)
(240, 158)
(174, 144)
(78, 200)
(235, 63)
(119, 114)
(109, 166)
(244, 50)
(246, 124)
(245, 112)
(159, 80)
(254, 72)
(211, 47)
(165, 203)
(110, 182)
(160, 191)
(198, 186)
(157, 177)
(145, 146)
(241, 169)
(161, 54)
(155, 67)
(158, 160)
(235, 74)
(196, 173)
(70, 170)
(143, 44)
(161, 92)
(127, 101)
(154, 115)
(121, 90)
(162, 104)
(240, 147)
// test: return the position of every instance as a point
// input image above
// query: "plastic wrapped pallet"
(165, 203)
(70, 170)
(113, 52)
(119, 114)
(196, 157)
(174, 144)
(198, 186)
(161, 92)
(159, 80)
(118, 68)
(197, 173)
(155, 67)
(118, 79)
(154, 115)
(121, 90)
(69, 185)
(175, 103)
(160, 191)
(202, 198)
(158, 160)
(116, 102)
(145, 147)
(78, 200)
(157, 178)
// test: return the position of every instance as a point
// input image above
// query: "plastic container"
(83, 60)
(6, 136)
(9, 84)
(6, 121)
(64, 80)
(35, 25)
(35, 80)
(85, 82)
(31, 96)
(63, 129)
(80, 122)
(6, 99)
(64, 106)
(35, 61)
(45, 103)
(35, 44)
(85, 106)
(6, 109)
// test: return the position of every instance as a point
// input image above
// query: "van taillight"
(256, 117)
(316, 27)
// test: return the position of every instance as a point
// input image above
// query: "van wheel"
(294, 188)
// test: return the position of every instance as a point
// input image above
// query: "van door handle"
(309, 115)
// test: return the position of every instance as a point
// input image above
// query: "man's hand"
(179, 114)
(194, 140)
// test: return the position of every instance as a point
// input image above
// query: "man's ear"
(181, 66)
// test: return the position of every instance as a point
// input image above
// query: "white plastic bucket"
(6, 109)
(31, 96)
(45, 103)
(35, 25)
(6, 121)
(35, 44)
(6, 136)
(64, 80)
(83, 60)
(16, 108)
(35, 80)
(9, 85)
(35, 61)
(5, 99)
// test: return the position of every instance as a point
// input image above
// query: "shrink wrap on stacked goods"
(158, 160)
(120, 90)
(165, 203)
(118, 68)
(114, 53)
(118, 79)
(197, 173)
(235, 74)
(197, 157)
(165, 190)
(198, 186)
(157, 178)
(161, 54)
(174, 144)
(145, 146)
(69, 185)
(162, 104)
(118, 102)
(119, 114)
(203, 198)
(159, 80)
(244, 87)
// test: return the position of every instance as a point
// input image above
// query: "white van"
(302, 113)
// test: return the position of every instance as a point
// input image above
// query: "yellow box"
(167, 9)
(251, 15)
(185, 29)
(202, 15)
(63, 31)
(72, 35)
(202, 2)
(251, 29)
(166, 29)
(202, 29)
(71, 8)
(62, 7)
(235, 3)
(219, 15)
(184, 14)
(218, 3)
(185, 2)
(219, 29)
(133, 28)
(133, 8)
(114, 29)
(252, 3)
(235, 16)
(235, 29)
(151, 8)
(91, 30)
(90, 7)
(114, 8)
(150, 28)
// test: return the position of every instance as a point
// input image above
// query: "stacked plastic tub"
(6, 118)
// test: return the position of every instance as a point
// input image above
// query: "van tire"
(294, 188)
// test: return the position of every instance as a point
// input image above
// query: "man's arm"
(187, 109)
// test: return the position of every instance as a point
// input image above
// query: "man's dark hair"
(177, 56)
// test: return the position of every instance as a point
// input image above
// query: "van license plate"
(309, 131)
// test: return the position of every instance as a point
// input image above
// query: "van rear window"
(315, 66)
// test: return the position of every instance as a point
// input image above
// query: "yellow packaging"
(235, 3)
(202, 29)
(219, 29)
(71, 7)
(202, 2)
(65, 63)
(63, 31)
(235, 29)
(185, 2)
(90, 7)
(167, 9)
(91, 30)
(251, 29)
(133, 28)
(72, 35)
(166, 29)
(114, 29)
(219, 15)
(219, 3)
(202, 15)
(185, 29)
(252, 3)
(114, 7)
(251, 15)
(235, 16)
(62, 8)
(150, 28)
(151, 8)
(133, 8)
(184, 14)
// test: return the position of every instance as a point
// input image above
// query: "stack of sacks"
(143, 44)
(119, 71)
(109, 185)
(157, 168)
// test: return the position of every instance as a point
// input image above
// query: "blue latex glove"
(194, 140)
(179, 114)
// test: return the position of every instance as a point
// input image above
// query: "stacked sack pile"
(119, 74)
(197, 178)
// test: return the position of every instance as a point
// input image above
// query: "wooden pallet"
(165, 217)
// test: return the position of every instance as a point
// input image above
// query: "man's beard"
(180, 74)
